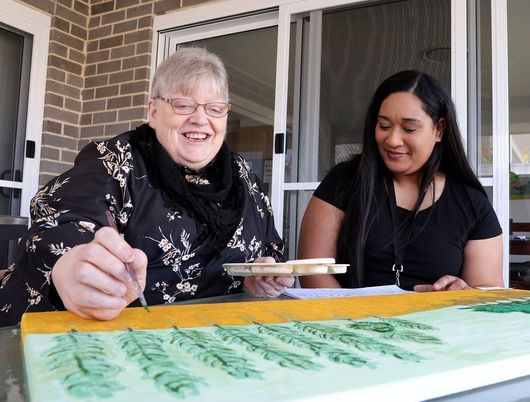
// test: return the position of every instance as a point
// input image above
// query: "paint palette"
(313, 266)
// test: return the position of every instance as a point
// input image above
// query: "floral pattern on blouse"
(111, 175)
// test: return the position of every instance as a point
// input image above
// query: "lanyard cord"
(399, 231)
(399, 249)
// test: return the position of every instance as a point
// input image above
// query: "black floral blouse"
(112, 175)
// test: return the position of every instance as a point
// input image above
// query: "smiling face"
(191, 140)
(405, 134)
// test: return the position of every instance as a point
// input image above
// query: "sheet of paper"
(317, 293)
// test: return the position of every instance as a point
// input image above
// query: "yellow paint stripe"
(196, 315)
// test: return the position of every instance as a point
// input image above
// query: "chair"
(520, 245)
(11, 228)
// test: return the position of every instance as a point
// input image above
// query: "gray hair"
(186, 70)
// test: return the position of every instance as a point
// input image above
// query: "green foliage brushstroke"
(81, 360)
(508, 306)
(146, 349)
(407, 324)
(210, 351)
(320, 348)
(359, 341)
(258, 344)
(396, 329)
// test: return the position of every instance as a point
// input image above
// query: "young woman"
(409, 210)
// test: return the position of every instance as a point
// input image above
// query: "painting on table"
(399, 347)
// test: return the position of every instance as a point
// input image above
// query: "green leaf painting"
(396, 329)
(80, 360)
(258, 344)
(362, 359)
(359, 341)
(408, 324)
(320, 348)
(210, 351)
(508, 306)
(146, 349)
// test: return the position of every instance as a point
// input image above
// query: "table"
(13, 383)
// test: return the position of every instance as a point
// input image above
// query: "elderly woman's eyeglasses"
(187, 106)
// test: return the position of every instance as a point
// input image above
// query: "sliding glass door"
(24, 38)
(15, 47)
(251, 82)
(341, 56)
(518, 31)
(302, 74)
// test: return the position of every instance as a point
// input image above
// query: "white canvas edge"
(437, 384)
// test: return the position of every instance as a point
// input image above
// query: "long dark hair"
(366, 189)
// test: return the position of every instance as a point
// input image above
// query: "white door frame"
(37, 24)
(501, 124)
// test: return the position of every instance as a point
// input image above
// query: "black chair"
(520, 245)
(11, 229)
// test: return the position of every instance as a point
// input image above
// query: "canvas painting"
(399, 347)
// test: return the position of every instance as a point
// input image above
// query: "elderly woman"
(184, 204)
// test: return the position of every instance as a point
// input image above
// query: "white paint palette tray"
(313, 266)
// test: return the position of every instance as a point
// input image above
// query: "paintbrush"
(132, 274)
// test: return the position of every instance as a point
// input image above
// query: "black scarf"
(214, 196)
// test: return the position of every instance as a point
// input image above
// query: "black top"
(112, 175)
(441, 231)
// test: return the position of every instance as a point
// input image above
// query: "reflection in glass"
(293, 103)
(252, 83)
(295, 204)
(330, 86)
(11, 49)
(484, 89)
(9, 201)
(361, 46)
(519, 103)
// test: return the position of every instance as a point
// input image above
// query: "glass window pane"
(484, 89)
(7, 252)
(293, 96)
(361, 46)
(9, 200)
(295, 203)
(519, 103)
(252, 83)
(11, 49)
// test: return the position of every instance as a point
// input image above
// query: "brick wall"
(98, 72)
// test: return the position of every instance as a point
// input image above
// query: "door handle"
(279, 143)
(30, 149)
